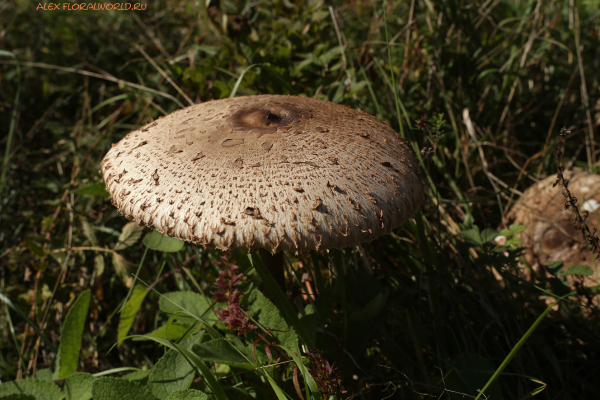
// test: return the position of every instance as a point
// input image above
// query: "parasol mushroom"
(551, 235)
(268, 172)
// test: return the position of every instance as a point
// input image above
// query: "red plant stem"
(163, 277)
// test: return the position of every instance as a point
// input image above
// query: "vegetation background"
(433, 305)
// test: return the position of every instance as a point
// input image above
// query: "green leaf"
(41, 390)
(20, 396)
(44, 374)
(513, 230)
(554, 268)
(222, 352)
(476, 237)
(189, 301)
(269, 316)
(70, 337)
(172, 331)
(123, 269)
(172, 372)
(488, 235)
(78, 386)
(99, 265)
(189, 394)
(88, 231)
(130, 311)
(583, 270)
(211, 380)
(470, 372)
(139, 375)
(157, 241)
(282, 301)
(114, 388)
(95, 189)
(130, 234)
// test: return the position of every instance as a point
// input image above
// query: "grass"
(506, 75)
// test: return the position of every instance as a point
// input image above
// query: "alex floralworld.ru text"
(90, 6)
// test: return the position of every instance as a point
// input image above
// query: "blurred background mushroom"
(551, 235)
(274, 173)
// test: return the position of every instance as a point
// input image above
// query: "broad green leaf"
(171, 331)
(130, 234)
(157, 241)
(189, 301)
(206, 373)
(583, 270)
(474, 236)
(470, 372)
(513, 230)
(109, 388)
(189, 394)
(70, 337)
(172, 372)
(282, 301)
(44, 374)
(78, 386)
(130, 311)
(222, 352)
(41, 390)
(95, 189)
(488, 234)
(269, 317)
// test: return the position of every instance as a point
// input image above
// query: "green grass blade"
(115, 370)
(13, 121)
(196, 362)
(518, 346)
(377, 107)
(130, 310)
(393, 83)
(32, 324)
(134, 280)
(237, 84)
(280, 298)
(71, 335)
(11, 327)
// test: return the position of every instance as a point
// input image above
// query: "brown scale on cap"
(231, 173)
(550, 235)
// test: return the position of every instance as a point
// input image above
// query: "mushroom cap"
(268, 171)
(550, 235)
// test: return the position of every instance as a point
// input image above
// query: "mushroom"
(550, 235)
(274, 173)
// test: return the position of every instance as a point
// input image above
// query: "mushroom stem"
(274, 264)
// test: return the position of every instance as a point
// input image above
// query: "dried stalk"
(571, 201)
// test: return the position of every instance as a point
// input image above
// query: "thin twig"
(95, 75)
(164, 74)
